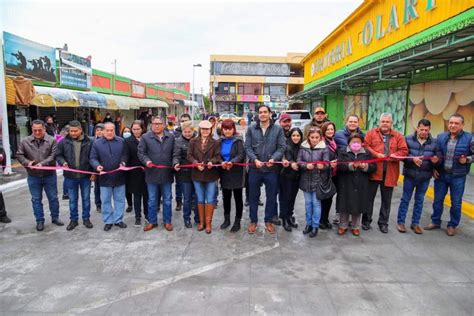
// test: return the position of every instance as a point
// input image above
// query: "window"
(249, 88)
(274, 89)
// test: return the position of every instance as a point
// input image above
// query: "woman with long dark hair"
(232, 176)
(328, 131)
(135, 179)
(290, 178)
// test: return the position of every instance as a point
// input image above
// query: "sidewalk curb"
(467, 208)
(7, 187)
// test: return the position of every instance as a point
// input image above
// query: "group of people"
(320, 161)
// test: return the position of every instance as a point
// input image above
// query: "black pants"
(138, 200)
(3, 210)
(239, 205)
(129, 199)
(325, 209)
(287, 197)
(386, 194)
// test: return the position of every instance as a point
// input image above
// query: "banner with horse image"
(29, 59)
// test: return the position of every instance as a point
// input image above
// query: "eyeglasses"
(156, 123)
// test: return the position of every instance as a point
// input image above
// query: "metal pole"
(214, 107)
(192, 107)
(4, 113)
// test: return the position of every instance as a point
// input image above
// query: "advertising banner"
(138, 89)
(74, 71)
(29, 59)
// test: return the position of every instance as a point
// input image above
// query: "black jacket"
(180, 152)
(428, 149)
(353, 184)
(235, 177)
(309, 179)
(291, 154)
(135, 179)
(65, 153)
(158, 152)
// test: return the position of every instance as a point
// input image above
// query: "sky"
(159, 41)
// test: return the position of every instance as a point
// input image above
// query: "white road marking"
(159, 284)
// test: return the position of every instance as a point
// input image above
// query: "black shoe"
(307, 229)
(40, 226)
(314, 233)
(72, 225)
(129, 209)
(87, 223)
(260, 202)
(98, 209)
(178, 206)
(286, 225)
(188, 224)
(226, 223)
(365, 226)
(236, 227)
(292, 222)
(121, 225)
(57, 222)
(138, 222)
(5, 219)
(383, 228)
(276, 221)
(108, 227)
(323, 226)
(246, 202)
(328, 225)
(65, 197)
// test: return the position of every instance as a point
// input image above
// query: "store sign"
(226, 97)
(138, 89)
(29, 59)
(278, 98)
(375, 26)
(266, 98)
(75, 71)
(277, 80)
(247, 98)
(252, 69)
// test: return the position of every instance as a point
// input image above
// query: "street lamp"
(192, 107)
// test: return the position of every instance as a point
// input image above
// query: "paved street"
(130, 272)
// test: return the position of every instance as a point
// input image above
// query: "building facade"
(240, 83)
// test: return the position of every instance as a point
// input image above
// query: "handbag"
(325, 189)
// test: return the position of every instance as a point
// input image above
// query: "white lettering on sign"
(335, 55)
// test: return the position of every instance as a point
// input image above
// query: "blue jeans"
(66, 186)
(313, 209)
(188, 193)
(179, 192)
(270, 179)
(455, 184)
(73, 191)
(112, 215)
(36, 186)
(409, 185)
(165, 190)
(205, 191)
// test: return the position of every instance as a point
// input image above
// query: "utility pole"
(4, 114)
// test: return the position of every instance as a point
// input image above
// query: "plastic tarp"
(187, 103)
(92, 100)
(55, 97)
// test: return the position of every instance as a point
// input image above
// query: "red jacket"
(398, 146)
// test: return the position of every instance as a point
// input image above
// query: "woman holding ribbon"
(353, 186)
(232, 176)
(204, 152)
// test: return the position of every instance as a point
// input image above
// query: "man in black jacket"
(417, 169)
(73, 152)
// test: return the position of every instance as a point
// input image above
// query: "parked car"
(234, 117)
(299, 118)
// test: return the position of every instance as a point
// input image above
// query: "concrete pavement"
(124, 272)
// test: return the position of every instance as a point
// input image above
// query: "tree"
(207, 104)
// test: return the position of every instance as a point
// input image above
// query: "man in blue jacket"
(456, 148)
(417, 169)
(156, 147)
(107, 155)
(73, 152)
(265, 143)
(352, 126)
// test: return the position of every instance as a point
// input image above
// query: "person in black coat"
(232, 177)
(290, 178)
(135, 179)
(328, 129)
(183, 175)
(353, 183)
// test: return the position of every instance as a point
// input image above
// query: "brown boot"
(201, 217)
(209, 213)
